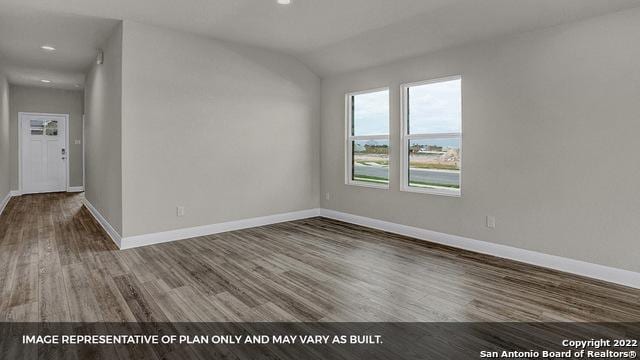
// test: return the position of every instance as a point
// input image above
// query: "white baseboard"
(5, 201)
(578, 267)
(113, 234)
(187, 233)
(75, 189)
(16, 193)
(583, 268)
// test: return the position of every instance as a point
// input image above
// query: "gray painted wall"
(5, 157)
(103, 133)
(44, 100)
(550, 143)
(230, 132)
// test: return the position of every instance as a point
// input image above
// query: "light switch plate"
(491, 222)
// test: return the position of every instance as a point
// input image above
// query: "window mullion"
(433, 136)
(368, 137)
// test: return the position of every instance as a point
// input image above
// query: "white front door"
(43, 152)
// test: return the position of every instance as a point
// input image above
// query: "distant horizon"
(447, 142)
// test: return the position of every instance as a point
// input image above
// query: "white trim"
(372, 184)
(66, 141)
(369, 137)
(433, 136)
(432, 81)
(75, 189)
(16, 193)
(367, 91)
(578, 267)
(188, 233)
(405, 137)
(113, 234)
(349, 138)
(83, 149)
(432, 190)
(5, 201)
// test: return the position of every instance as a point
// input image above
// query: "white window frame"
(405, 137)
(349, 138)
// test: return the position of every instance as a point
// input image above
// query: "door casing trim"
(66, 143)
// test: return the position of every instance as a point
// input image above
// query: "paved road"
(422, 175)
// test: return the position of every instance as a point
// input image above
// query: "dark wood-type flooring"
(57, 264)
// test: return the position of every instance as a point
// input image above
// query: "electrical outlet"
(491, 222)
(327, 196)
(180, 211)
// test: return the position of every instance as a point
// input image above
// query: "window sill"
(369, 185)
(433, 191)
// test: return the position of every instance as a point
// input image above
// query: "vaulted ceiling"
(330, 36)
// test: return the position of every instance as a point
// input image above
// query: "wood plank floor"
(56, 264)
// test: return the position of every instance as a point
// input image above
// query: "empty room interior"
(425, 161)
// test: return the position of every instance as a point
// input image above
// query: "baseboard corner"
(111, 232)
(130, 242)
(5, 201)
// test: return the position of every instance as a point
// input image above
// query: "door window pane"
(434, 163)
(371, 161)
(37, 127)
(51, 128)
(370, 113)
(435, 108)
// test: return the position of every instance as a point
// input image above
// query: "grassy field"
(413, 164)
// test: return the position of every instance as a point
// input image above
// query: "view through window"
(432, 136)
(368, 138)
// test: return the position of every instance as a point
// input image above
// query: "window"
(368, 138)
(432, 136)
(44, 127)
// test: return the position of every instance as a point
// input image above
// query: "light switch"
(77, 142)
(491, 222)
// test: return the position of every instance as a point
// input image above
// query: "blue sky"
(434, 108)
(371, 113)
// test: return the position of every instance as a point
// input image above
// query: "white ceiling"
(331, 36)
(75, 38)
(458, 23)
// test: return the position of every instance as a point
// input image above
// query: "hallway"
(50, 244)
